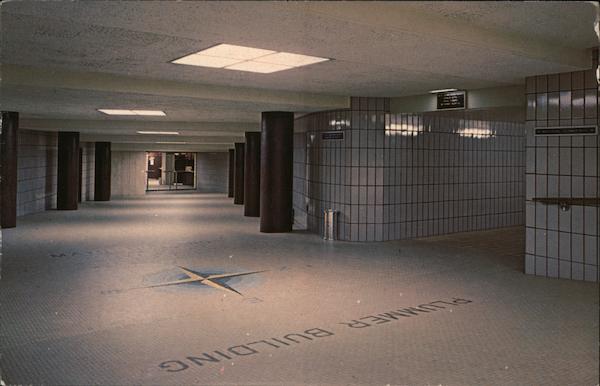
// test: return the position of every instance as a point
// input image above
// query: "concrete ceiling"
(63, 60)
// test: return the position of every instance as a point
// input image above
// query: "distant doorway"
(170, 171)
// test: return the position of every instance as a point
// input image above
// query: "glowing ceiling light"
(205, 61)
(292, 60)
(241, 58)
(116, 112)
(157, 113)
(158, 132)
(443, 90)
(154, 113)
(235, 52)
(263, 68)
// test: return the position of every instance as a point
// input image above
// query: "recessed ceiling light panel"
(153, 113)
(156, 113)
(442, 90)
(292, 60)
(235, 52)
(116, 112)
(159, 132)
(263, 68)
(205, 61)
(240, 58)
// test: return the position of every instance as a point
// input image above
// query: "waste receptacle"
(330, 224)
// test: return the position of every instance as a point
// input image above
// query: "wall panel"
(398, 176)
(562, 243)
(128, 173)
(212, 172)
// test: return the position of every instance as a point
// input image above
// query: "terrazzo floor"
(82, 301)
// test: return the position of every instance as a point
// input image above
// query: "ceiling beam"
(165, 147)
(38, 77)
(154, 139)
(129, 127)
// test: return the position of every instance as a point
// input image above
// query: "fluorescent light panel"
(205, 61)
(292, 60)
(155, 113)
(240, 58)
(192, 143)
(115, 112)
(263, 68)
(443, 90)
(158, 132)
(235, 52)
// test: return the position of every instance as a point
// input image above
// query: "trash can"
(330, 224)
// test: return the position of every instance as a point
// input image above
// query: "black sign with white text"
(567, 130)
(332, 135)
(451, 100)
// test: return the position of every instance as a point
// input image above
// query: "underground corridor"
(299, 193)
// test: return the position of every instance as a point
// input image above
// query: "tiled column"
(68, 171)
(238, 193)
(252, 175)
(562, 242)
(8, 169)
(231, 173)
(276, 171)
(102, 174)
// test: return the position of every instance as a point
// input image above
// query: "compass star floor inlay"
(451, 310)
(211, 280)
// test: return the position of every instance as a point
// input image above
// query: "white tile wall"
(300, 199)
(397, 176)
(566, 242)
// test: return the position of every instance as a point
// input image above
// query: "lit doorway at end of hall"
(170, 171)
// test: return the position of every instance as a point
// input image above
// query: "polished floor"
(95, 296)
(153, 185)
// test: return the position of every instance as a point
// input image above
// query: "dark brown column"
(238, 193)
(231, 172)
(102, 160)
(80, 185)
(68, 171)
(252, 175)
(276, 171)
(8, 169)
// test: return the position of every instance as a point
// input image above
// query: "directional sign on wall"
(332, 135)
(567, 130)
(451, 100)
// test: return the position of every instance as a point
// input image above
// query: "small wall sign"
(566, 130)
(332, 135)
(451, 100)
